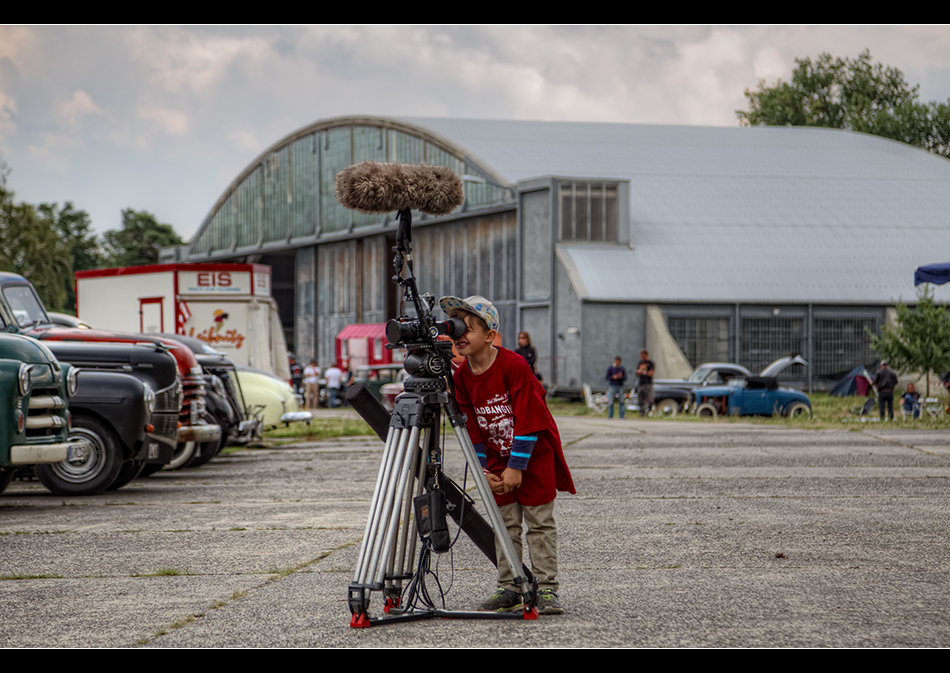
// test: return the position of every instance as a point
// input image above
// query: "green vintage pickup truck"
(34, 420)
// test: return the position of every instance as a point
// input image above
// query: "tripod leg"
(379, 496)
(401, 559)
(484, 490)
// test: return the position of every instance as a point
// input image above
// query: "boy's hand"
(510, 479)
(494, 481)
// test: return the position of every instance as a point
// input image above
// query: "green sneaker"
(548, 603)
(503, 600)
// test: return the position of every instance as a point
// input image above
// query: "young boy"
(518, 445)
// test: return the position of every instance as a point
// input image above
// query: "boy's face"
(476, 338)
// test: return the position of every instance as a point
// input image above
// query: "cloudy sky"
(163, 118)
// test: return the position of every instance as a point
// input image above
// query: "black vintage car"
(126, 405)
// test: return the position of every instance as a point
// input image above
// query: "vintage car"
(23, 312)
(34, 420)
(127, 405)
(672, 396)
(225, 399)
(273, 395)
(753, 396)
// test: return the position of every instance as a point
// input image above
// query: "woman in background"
(528, 352)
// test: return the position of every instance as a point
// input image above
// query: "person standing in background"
(645, 370)
(616, 377)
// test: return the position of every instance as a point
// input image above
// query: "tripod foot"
(360, 621)
(530, 613)
(390, 604)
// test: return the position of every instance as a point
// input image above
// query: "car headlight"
(149, 396)
(23, 378)
(72, 381)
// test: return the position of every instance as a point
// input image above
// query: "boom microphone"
(374, 187)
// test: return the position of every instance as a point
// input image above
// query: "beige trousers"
(542, 544)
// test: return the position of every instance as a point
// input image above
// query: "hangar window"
(764, 340)
(589, 212)
(841, 344)
(702, 339)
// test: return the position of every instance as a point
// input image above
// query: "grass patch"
(322, 428)
(22, 576)
(827, 412)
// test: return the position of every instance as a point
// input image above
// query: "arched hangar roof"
(716, 214)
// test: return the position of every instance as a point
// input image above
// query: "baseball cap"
(476, 304)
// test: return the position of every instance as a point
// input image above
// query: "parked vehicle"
(128, 404)
(672, 396)
(271, 395)
(228, 306)
(112, 412)
(753, 396)
(24, 312)
(224, 395)
(34, 419)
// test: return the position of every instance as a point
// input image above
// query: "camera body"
(428, 360)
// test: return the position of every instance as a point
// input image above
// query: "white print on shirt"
(496, 418)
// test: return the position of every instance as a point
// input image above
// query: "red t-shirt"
(505, 401)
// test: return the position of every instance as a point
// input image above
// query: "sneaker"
(503, 600)
(548, 603)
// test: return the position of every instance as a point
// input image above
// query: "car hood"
(782, 363)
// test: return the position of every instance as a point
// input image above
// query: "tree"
(31, 247)
(139, 240)
(851, 94)
(75, 230)
(920, 342)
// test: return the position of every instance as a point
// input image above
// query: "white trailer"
(228, 306)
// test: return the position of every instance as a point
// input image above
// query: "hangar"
(700, 243)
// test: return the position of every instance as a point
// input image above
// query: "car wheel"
(206, 451)
(130, 470)
(667, 408)
(798, 410)
(89, 475)
(184, 452)
(707, 410)
(149, 470)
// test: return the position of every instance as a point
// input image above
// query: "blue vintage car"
(753, 396)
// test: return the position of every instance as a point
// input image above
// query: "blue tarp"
(938, 274)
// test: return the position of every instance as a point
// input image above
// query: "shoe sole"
(520, 606)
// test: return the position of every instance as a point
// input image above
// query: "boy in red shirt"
(518, 445)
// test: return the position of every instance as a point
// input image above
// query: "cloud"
(171, 122)
(77, 108)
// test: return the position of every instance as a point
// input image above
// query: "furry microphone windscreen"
(373, 187)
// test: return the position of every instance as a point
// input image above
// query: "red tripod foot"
(360, 621)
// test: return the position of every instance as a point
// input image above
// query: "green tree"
(75, 230)
(139, 240)
(31, 247)
(920, 342)
(851, 94)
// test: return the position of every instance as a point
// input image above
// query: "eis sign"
(214, 282)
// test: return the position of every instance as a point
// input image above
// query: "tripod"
(412, 461)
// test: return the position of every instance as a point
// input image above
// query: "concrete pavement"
(682, 534)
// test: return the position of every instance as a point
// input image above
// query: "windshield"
(699, 374)
(25, 306)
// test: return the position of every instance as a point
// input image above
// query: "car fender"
(119, 400)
